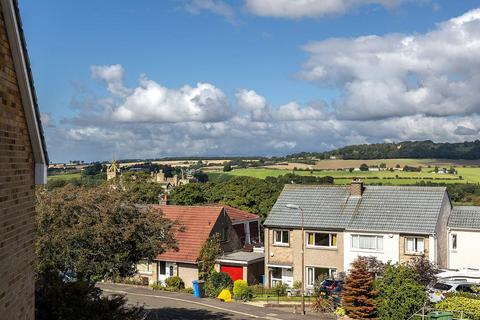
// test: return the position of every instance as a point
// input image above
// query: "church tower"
(113, 170)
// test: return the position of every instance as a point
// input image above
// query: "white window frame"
(330, 240)
(311, 270)
(415, 245)
(454, 239)
(379, 239)
(281, 243)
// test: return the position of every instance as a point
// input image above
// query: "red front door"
(235, 272)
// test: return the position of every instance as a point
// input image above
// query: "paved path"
(173, 305)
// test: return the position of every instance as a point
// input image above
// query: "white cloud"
(435, 74)
(393, 88)
(151, 102)
(217, 7)
(296, 9)
(113, 76)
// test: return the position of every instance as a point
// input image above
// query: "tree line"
(407, 149)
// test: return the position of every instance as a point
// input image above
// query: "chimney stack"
(164, 199)
(356, 188)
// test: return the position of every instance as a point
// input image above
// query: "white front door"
(165, 270)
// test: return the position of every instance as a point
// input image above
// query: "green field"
(465, 175)
(65, 176)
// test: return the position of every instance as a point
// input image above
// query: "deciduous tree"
(96, 232)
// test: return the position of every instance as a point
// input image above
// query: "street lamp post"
(302, 292)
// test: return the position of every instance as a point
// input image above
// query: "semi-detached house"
(392, 223)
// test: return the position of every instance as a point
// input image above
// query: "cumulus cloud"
(295, 9)
(217, 7)
(392, 88)
(113, 76)
(152, 102)
(435, 74)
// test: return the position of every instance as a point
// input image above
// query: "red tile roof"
(198, 222)
(237, 215)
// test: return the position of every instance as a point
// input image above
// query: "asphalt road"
(162, 305)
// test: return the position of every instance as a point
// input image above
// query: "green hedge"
(457, 303)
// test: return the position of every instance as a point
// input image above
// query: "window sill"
(281, 245)
(410, 253)
(322, 248)
(366, 250)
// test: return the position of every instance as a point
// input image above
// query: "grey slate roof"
(465, 217)
(243, 256)
(380, 208)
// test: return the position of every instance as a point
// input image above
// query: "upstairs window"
(367, 242)
(317, 239)
(281, 237)
(224, 235)
(414, 245)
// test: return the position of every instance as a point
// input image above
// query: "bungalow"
(199, 223)
(463, 237)
(344, 222)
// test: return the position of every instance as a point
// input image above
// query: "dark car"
(331, 286)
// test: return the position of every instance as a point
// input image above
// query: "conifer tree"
(358, 298)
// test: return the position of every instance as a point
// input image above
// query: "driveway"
(173, 305)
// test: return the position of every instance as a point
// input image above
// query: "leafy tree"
(358, 297)
(79, 300)
(96, 232)
(425, 270)
(93, 169)
(246, 193)
(209, 253)
(400, 293)
(227, 167)
(201, 176)
(364, 167)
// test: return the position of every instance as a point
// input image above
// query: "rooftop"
(465, 217)
(380, 208)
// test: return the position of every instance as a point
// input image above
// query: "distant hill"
(407, 149)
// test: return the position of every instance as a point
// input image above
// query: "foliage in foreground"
(358, 298)
(459, 303)
(96, 232)
(209, 253)
(216, 282)
(175, 282)
(321, 304)
(400, 295)
(241, 290)
(58, 300)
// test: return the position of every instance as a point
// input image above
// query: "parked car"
(331, 286)
(438, 291)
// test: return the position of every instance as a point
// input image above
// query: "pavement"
(162, 305)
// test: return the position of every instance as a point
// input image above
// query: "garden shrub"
(280, 289)
(241, 290)
(175, 282)
(321, 304)
(457, 303)
(216, 282)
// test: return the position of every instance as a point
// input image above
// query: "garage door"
(235, 272)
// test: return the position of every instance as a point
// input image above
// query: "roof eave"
(21, 62)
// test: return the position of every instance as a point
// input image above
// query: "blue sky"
(272, 79)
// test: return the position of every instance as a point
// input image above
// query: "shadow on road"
(187, 314)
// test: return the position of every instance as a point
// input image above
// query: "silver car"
(437, 292)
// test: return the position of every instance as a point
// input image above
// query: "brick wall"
(17, 211)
